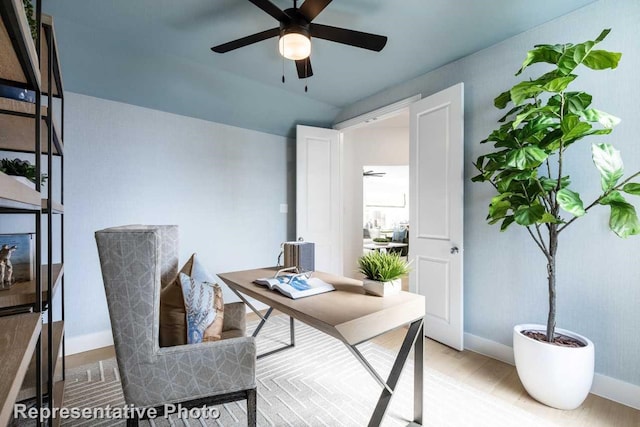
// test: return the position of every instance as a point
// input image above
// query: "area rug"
(316, 383)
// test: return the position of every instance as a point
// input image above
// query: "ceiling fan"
(296, 30)
(373, 174)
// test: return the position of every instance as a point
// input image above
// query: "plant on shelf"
(381, 240)
(528, 168)
(17, 167)
(382, 271)
(31, 18)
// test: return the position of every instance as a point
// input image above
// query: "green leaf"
(632, 188)
(559, 84)
(576, 102)
(542, 53)
(575, 55)
(602, 59)
(526, 157)
(623, 219)
(573, 128)
(603, 34)
(612, 197)
(543, 111)
(551, 184)
(605, 119)
(529, 215)
(547, 218)
(524, 90)
(502, 100)
(608, 161)
(570, 201)
(512, 111)
(498, 210)
(508, 220)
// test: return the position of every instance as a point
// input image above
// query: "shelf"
(18, 338)
(18, 58)
(47, 24)
(28, 389)
(17, 130)
(15, 195)
(58, 398)
(25, 293)
(57, 207)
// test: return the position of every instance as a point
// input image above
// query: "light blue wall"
(598, 274)
(125, 165)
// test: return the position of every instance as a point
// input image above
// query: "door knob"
(455, 250)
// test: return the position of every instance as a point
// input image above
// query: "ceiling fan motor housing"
(297, 24)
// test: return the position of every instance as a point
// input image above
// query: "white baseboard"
(603, 386)
(88, 342)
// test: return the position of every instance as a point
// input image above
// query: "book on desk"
(296, 286)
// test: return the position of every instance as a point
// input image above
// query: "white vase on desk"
(382, 289)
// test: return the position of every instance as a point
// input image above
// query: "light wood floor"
(491, 376)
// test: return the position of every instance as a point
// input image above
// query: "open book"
(296, 286)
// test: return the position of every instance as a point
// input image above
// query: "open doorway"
(385, 209)
(381, 146)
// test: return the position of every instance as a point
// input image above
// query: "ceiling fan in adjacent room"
(296, 31)
(373, 174)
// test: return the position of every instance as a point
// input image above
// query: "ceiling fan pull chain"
(306, 73)
(283, 69)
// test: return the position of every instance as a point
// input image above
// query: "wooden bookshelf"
(57, 207)
(28, 389)
(58, 398)
(47, 22)
(18, 337)
(16, 195)
(18, 130)
(18, 57)
(24, 293)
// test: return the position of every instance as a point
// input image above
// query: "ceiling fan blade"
(350, 37)
(245, 41)
(272, 10)
(304, 68)
(312, 8)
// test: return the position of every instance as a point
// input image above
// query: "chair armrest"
(193, 371)
(235, 316)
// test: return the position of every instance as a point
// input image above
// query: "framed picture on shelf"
(16, 259)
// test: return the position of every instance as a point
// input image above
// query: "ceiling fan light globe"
(294, 46)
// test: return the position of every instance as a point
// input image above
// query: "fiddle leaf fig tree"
(533, 144)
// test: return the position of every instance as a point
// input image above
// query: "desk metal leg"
(418, 376)
(292, 334)
(413, 335)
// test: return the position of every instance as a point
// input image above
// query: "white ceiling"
(156, 53)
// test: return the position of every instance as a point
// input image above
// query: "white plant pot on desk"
(382, 289)
(559, 377)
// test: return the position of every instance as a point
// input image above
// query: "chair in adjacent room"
(400, 236)
(137, 261)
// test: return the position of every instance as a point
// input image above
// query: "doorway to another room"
(376, 185)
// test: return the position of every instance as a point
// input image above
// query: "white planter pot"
(559, 377)
(382, 289)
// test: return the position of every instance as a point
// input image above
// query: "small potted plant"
(383, 272)
(21, 169)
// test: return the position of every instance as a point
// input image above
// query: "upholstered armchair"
(137, 261)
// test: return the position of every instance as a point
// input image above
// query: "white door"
(318, 195)
(436, 211)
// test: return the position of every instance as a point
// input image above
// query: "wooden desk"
(376, 247)
(351, 316)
